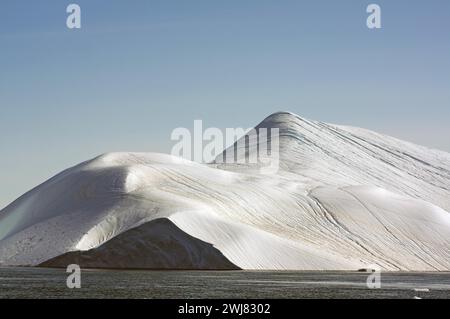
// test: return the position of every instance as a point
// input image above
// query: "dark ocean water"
(51, 283)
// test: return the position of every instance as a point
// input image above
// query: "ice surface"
(344, 198)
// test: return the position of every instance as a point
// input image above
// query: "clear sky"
(138, 69)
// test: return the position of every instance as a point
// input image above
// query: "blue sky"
(138, 69)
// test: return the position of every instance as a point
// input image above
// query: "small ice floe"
(421, 289)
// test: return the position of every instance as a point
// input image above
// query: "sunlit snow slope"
(343, 198)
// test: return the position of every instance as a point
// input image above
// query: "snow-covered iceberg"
(343, 198)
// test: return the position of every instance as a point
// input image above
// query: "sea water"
(51, 283)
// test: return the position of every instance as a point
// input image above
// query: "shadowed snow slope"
(343, 198)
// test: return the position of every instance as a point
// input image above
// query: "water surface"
(51, 283)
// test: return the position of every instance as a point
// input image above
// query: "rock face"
(158, 244)
(343, 199)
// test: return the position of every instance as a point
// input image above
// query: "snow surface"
(344, 198)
